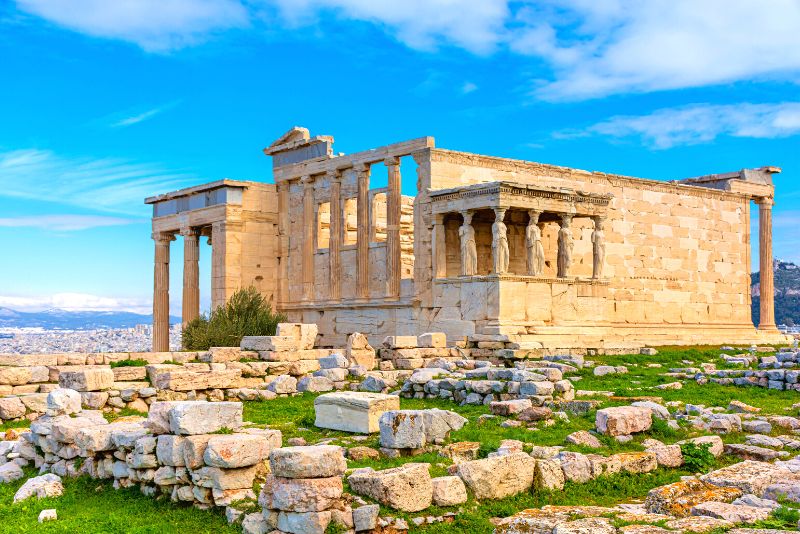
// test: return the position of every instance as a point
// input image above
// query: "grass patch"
(95, 506)
(129, 363)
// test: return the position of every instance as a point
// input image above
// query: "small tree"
(247, 313)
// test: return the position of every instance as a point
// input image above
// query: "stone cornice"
(530, 167)
(517, 189)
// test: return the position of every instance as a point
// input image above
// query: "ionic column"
(191, 274)
(362, 236)
(335, 242)
(161, 291)
(766, 283)
(439, 254)
(307, 266)
(393, 252)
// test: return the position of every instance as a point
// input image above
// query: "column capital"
(765, 202)
(391, 161)
(190, 231)
(499, 213)
(162, 238)
(362, 168)
(566, 219)
(467, 215)
(307, 180)
(333, 175)
(534, 216)
(438, 218)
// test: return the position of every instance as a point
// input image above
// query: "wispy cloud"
(698, 123)
(468, 88)
(592, 49)
(65, 223)
(136, 119)
(154, 25)
(76, 302)
(106, 184)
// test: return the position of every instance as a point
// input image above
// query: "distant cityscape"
(36, 340)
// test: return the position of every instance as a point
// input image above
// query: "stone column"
(766, 282)
(161, 291)
(439, 252)
(307, 248)
(362, 236)
(226, 260)
(191, 274)
(283, 242)
(565, 245)
(335, 242)
(500, 253)
(393, 252)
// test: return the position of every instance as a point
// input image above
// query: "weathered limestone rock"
(498, 477)
(407, 488)
(181, 379)
(315, 384)
(224, 479)
(48, 485)
(433, 340)
(748, 476)
(304, 522)
(359, 351)
(304, 334)
(698, 524)
(99, 438)
(318, 461)
(11, 408)
(283, 384)
(716, 446)
(576, 467)
(15, 376)
(510, 407)
(48, 515)
(194, 449)
(169, 450)
(678, 499)
(239, 450)
(734, 513)
(667, 455)
(588, 525)
(353, 411)
(301, 495)
(548, 475)
(623, 420)
(366, 517)
(200, 417)
(9, 472)
(63, 402)
(448, 491)
(585, 439)
(95, 379)
(413, 429)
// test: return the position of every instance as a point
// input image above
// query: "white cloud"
(154, 25)
(136, 119)
(64, 223)
(700, 123)
(619, 46)
(475, 25)
(468, 88)
(584, 48)
(111, 185)
(76, 302)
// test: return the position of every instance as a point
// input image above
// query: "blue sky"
(103, 103)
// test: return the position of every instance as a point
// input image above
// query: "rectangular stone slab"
(353, 411)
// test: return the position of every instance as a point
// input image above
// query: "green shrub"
(788, 517)
(697, 458)
(129, 363)
(247, 313)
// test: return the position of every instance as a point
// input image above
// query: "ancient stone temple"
(491, 248)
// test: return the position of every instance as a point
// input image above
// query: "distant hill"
(73, 320)
(787, 293)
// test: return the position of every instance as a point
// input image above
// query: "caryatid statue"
(469, 252)
(500, 242)
(598, 248)
(533, 244)
(565, 244)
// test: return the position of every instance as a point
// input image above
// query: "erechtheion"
(490, 248)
